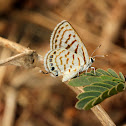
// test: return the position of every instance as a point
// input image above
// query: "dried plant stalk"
(11, 99)
(27, 58)
(12, 45)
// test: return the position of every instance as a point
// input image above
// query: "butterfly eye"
(92, 60)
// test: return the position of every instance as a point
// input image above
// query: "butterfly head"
(92, 59)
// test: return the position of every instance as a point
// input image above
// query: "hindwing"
(61, 61)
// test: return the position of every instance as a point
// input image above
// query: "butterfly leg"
(43, 72)
(78, 74)
(85, 73)
(93, 68)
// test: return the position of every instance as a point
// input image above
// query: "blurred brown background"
(29, 98)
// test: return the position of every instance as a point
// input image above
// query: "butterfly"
(68, 55)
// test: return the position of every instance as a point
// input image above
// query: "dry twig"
(27, 58)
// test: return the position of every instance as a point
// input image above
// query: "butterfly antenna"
(99, 56)
(95, 50)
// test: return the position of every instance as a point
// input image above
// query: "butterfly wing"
(63, 62)
(64, 36)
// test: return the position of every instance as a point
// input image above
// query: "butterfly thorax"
(88, 64)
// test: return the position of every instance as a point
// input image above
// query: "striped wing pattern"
(65, 36)
(68, 55)
(63, 62)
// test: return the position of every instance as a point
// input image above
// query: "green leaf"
(112, 91)
(88, 105)
(88, 93)
(111, 82)
(103, 72)
(79, 81)
(97, 101)
(113, 73)
(120, 87)
(121, 76)
(89, 74)
(92, 71)
(103, 85)
(117, 80)
(110, 78)
(80, 104)
(95, 88)
(98, 73)
(107, 78)
(104, 95)
(93, 79)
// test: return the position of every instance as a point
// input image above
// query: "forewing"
(64, 36)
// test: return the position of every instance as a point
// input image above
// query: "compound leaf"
(97, 87)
